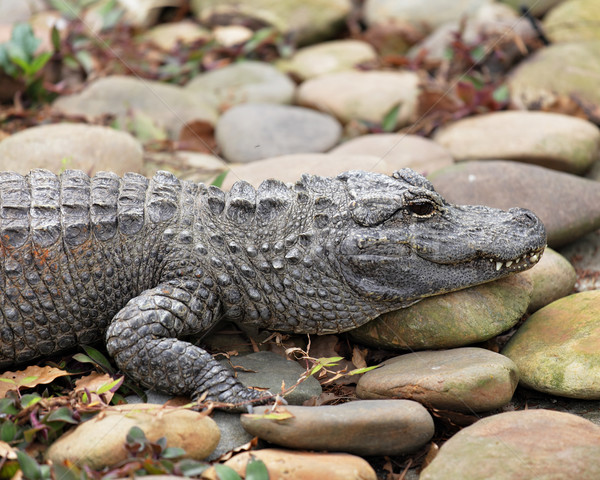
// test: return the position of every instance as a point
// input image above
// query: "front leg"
(144, 339)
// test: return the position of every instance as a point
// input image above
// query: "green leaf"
(173, 452)
(86, 60)
(45, 472)
(358, 371)
(80, 357)
(31, 469)
(30, 399)
(98, 358)
(6, 63)
(62, 414)
(69, 10)
(475, 81)
(478, 53)
(9, 469)
(29, 379)
(390, 119)
(192, 468)
(8, 380)
(7, 406)
(67, 473)
(256, 470)
(135, 434)
(110, 386)
(218, 182)
(277, 416)
(39, 62)
(22, 35)
(8, 431)
(257, 39)
(17, 55)
(55, 37)
(226, 473)
(162, 443)
(501, 94)
(144, 127)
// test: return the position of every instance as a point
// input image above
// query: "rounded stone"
(250, 132)
(451, 320)
(520, 446)
(572, 21)
(328, 57)
(233, 434)
(542, 80)
(495, 22)
(77, 146)
(535, 7)
(551, 140)
(168, 35)
(168, 106)
(553, 277)
(461, 379)
(568, 205)
(305, 22)
(290, 465)
(99, 442)
(269, 370)
(420, 15)
(364, 427)
(584, 255)
(557, 350)
(245, 82)
(18, 12)
(399, 151)
(363, 96)
(289, 168)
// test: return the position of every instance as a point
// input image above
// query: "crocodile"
(151, 265)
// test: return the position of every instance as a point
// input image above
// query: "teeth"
(518, 264)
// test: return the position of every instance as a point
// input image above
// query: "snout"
(529, 220)
(533, 230)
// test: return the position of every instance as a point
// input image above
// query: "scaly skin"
(152, 264)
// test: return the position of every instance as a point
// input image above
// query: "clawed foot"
(240, 401)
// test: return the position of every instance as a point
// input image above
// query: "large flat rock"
(551, 140)
(365, 427)
(523, 445)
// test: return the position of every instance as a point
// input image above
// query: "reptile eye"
(421, 208)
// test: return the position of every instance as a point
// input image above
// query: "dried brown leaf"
(359, 357)
(93, 381)
(6, 451)
(28, 378)
(431, 454)
(178, 402)
(198, 136)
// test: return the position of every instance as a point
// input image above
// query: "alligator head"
(405, 242)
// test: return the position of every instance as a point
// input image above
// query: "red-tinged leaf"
(62, 414)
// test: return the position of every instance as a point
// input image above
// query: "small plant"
(18, 59)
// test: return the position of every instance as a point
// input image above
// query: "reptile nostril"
(526, 216)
